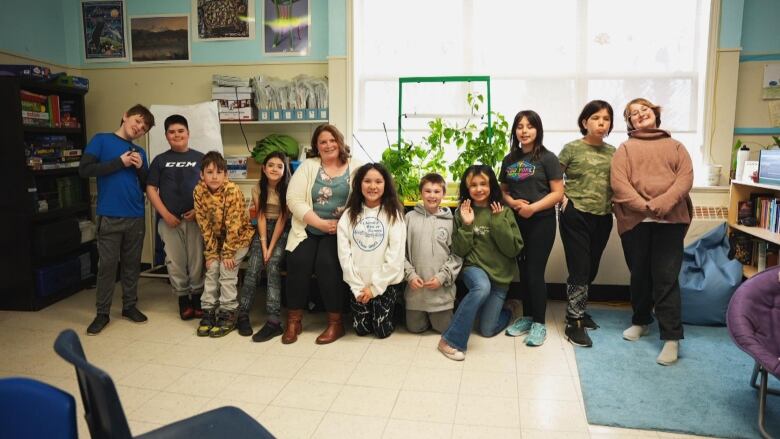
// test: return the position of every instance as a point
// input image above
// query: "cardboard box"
(253, 168)
(73, 81)
(235, 103)
(236, 166)
(31, 71)
(285, 115)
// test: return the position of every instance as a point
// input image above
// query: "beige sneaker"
(450, 352)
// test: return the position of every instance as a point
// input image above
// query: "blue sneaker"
(519, 327)
(536, 335)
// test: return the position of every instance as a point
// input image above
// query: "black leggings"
(584, 237)
(654, 253)
(538, 234)
(316, 255)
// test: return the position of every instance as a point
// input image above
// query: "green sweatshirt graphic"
(491, 243)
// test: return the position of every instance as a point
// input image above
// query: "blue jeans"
(484, 298)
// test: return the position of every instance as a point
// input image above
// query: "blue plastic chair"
(30, 409)
(106, 418)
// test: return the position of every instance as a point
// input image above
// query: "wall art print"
(160, 38)
(286, 25)
(103, 27)
(223, 20)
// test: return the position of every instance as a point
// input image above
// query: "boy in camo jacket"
(223, 220)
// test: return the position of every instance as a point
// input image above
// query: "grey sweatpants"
(118, 239)
(183, 256)
(220, 286)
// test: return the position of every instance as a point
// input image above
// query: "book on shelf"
(742, 246)
(54, 110)
(68, 114)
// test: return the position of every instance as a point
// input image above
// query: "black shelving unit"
(24, 268)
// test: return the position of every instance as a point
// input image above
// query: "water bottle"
(742, 156)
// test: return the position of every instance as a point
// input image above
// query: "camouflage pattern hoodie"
(223, 220)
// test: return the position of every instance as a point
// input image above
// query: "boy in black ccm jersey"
(172, 178)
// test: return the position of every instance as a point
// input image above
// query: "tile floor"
(400, 387)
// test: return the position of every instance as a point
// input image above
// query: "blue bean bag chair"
(708, 278)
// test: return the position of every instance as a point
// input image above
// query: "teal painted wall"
(337, 29)
(26, 30)
(730, 36)
(55, 36)
(761, 27)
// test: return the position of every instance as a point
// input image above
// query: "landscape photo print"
(160, 38)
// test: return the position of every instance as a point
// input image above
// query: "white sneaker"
(450, 352)
(635, 331)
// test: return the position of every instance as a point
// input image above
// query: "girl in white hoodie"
(371, 240)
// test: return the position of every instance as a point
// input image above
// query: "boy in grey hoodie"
(431, 267)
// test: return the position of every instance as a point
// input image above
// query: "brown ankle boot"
(293, 326)
(334, 331)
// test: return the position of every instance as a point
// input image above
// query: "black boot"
(186, 312)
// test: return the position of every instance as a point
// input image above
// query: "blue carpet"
(705, 393)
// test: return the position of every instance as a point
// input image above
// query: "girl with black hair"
(487, 238)
(371, 238)
(532, 184)
(270, 200)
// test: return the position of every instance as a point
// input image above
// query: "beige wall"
(751, 110)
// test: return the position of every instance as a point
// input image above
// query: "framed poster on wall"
(160, 38)
(286, 25)
(215, 20)
(103, 29)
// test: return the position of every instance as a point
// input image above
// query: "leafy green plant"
(475, 142)
(478, 143)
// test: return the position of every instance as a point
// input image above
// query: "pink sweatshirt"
(651, 177)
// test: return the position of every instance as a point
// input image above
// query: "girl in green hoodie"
(488, 239)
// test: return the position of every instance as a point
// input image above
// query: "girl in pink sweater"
(651, 176)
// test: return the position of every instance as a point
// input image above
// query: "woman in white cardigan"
(316, 197)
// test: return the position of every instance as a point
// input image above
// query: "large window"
(551, 56)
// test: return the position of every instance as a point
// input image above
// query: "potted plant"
(474, 141)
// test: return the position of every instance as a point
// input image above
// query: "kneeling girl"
(371, 239)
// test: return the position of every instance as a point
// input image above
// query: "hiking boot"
(635, 331)
(519, 327)
(226, 322)
(186, 312)
(267, 332)
(243, 325)
(576, 333)
(536, 335)
(450, 352)
(588, 323)
(134, 315)
(207, 322)
(97, 325)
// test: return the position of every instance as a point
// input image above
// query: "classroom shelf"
(60, 212)
(273, 122)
